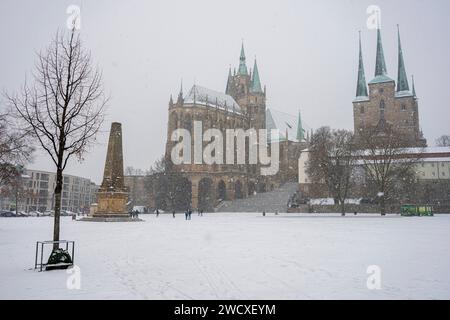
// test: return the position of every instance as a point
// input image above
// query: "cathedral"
(241, 106)
(386, 102)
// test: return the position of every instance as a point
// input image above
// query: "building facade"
(386, 102)
(37, 193)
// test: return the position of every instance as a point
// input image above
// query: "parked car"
(48, 213)
(6, 214)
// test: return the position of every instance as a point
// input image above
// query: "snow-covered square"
(234, 256)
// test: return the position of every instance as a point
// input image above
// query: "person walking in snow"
(190, 214)
(186, 213)
(264, 213)
(157, 213)
(173, 213)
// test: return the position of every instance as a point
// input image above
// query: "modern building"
(37, 193)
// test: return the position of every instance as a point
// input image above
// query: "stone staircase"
(272, 201)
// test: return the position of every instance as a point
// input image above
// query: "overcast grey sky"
(307, 55)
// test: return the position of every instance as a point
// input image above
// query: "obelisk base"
(112, 207)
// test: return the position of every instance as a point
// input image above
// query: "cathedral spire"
(229, 82)
(380, 66)
(361, 88)
(300, 130)
(255, 85)
(242, 66)
(413, 88)
(402, 79)
(180, 94)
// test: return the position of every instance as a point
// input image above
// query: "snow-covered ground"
(234, 256)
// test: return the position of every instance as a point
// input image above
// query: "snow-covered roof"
(207, 97)
(440, 154)
(429, 150)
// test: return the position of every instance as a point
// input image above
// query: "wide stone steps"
(272, 201)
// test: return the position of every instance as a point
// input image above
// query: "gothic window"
(382, 107)
(403, 107)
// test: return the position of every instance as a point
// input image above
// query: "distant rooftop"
(284, 122)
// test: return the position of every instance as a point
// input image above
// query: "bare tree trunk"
(343, 207)
(58, 191)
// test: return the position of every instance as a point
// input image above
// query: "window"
(382, 107)
(361, 109)
(381, 90)
(403, 107)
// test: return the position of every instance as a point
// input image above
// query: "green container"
(410, 210)
(425, 211)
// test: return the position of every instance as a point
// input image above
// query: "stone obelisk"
(112, 196)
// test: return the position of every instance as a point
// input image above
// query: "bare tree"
(64, 106)
(389, 165)
(331, 162)
(15, 149)
(159, 166)
(443, 141)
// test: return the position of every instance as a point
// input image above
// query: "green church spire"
(380, 66)
(413, 87)
(255, 85)
(361, 88)
(242, 66)
(300, 130)
(402, 79)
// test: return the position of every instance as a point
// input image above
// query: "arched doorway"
(179, 195)
(221, 191)
(205, 194)
(238, 190)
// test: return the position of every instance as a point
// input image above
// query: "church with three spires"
(386, 102)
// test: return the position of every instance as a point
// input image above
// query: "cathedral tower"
(245, 88)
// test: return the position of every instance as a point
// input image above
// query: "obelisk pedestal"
(112, 196)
